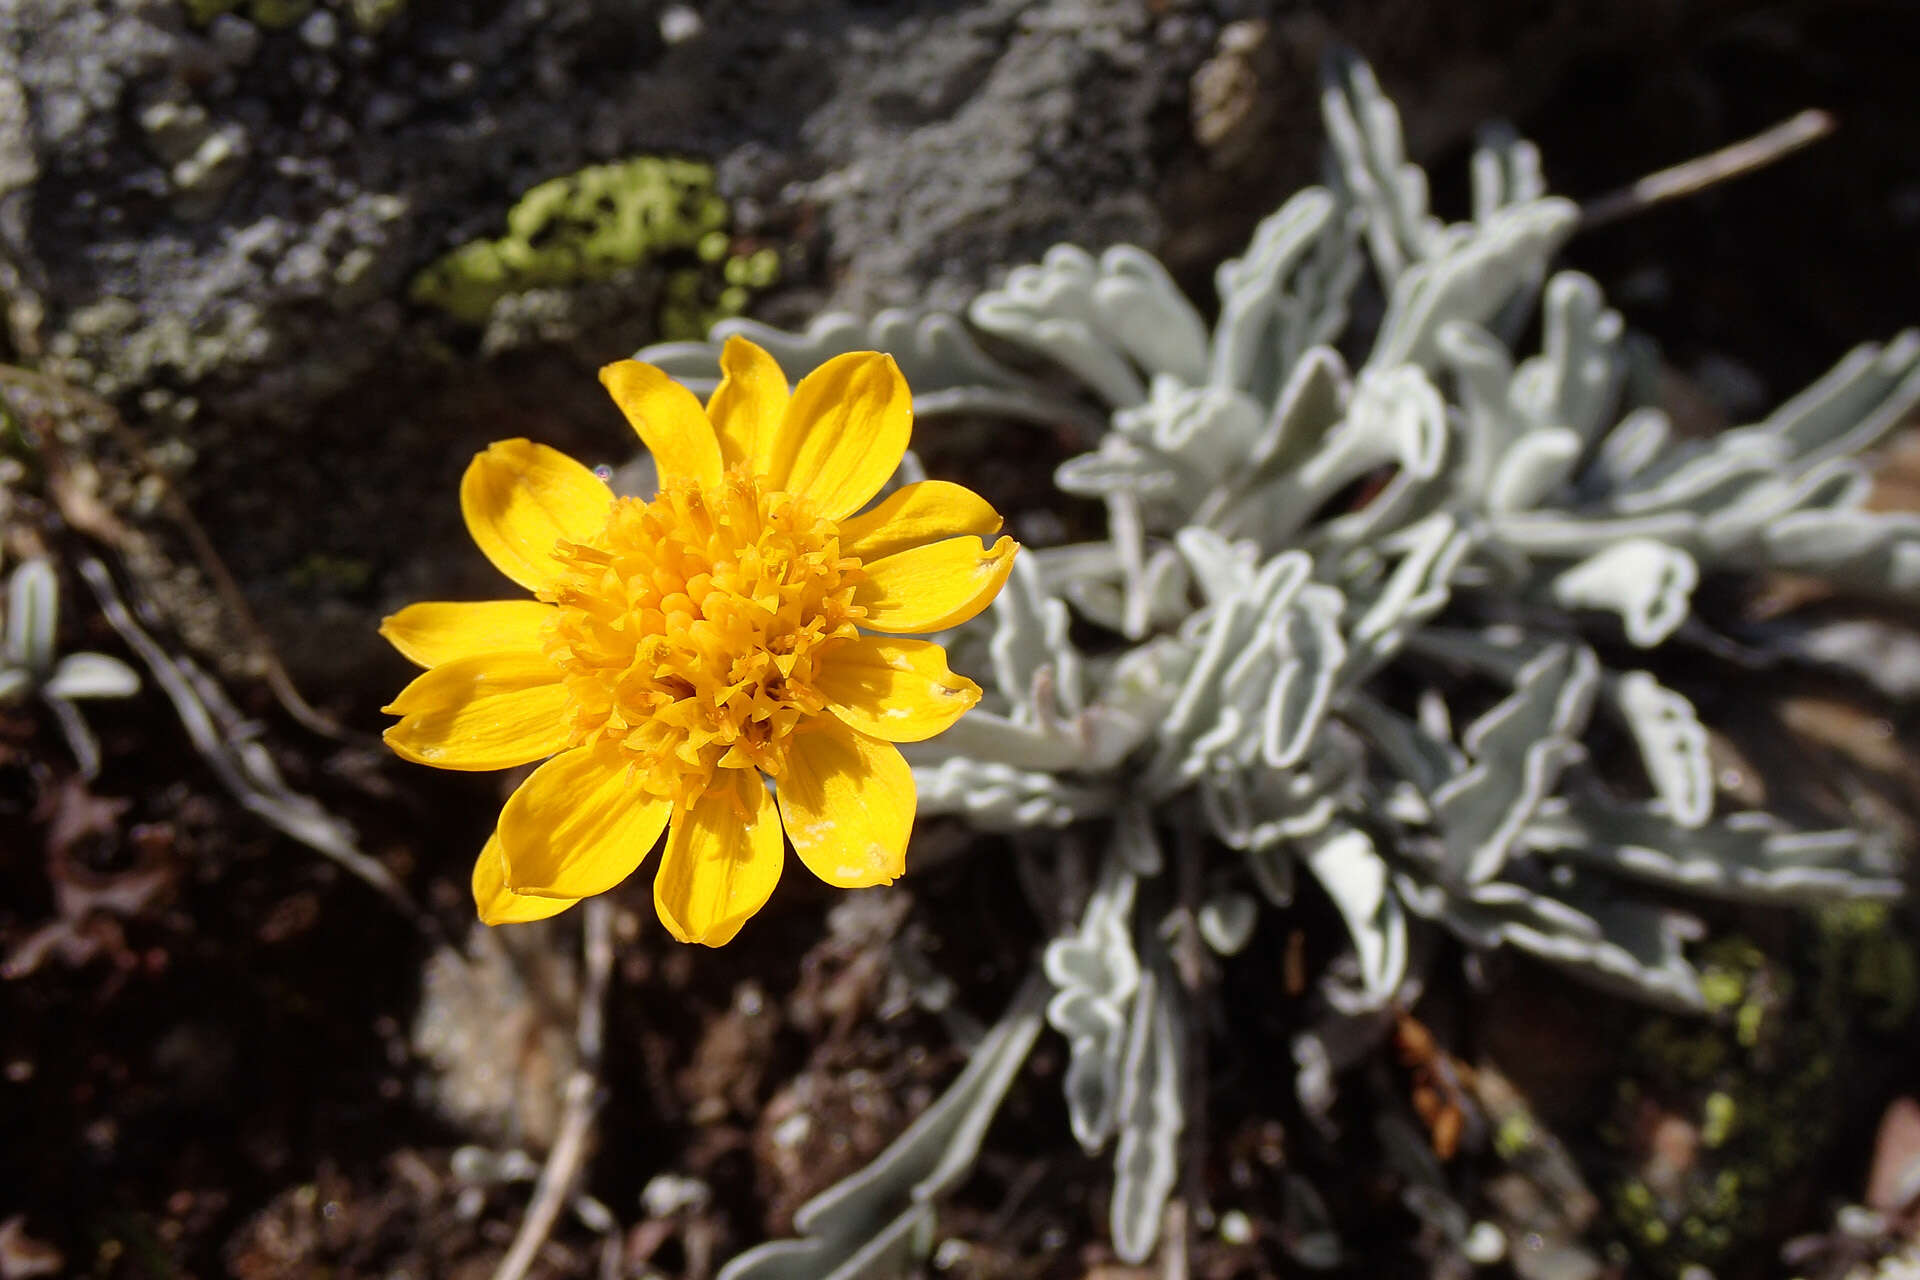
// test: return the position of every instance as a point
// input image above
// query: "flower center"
(690, 630)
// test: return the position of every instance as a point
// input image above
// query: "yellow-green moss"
(323, 572)
(14, 441)
(370, 16)
(1757, 1080)
(1515, 1135)
(1753, 1081)
(275, 15)
(1874, 960)
(1718, 1115)
(601, 221)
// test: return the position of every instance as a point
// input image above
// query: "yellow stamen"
(691, 627)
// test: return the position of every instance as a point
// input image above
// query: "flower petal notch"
(933, 587)
(498, 904)
(913, 514)
(894, 689)
(687, 657)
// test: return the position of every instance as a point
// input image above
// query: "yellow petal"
(669, 420)
(432, 633)
(520, 498)
(847, 801)
(926, 511)
(747, 406)
(722, 860)
(899, 690)
(578, 827)
(844, 432)
(933, 587)
(500, 905)
(493, 711)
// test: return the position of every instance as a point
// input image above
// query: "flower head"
(748, 623)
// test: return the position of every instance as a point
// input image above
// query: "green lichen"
(371, 16)
(14, 441)
(1516, 1133)
(1718, 1116)
(689, 304)
(1873, 960)
(599, 222)
(328, 573)
(275, 15)
(754, 270)
(1723, 987)
(1758, 1083)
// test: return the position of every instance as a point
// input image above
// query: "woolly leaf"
(1648, 583)
(1286, 295)
(1518, 750)
(863, 1226)
(1312, 652)
(1626, 946)
(1349, 867)
(1048, 307)
(1672, 742)
(1226, 921)
(1879, 551)
(1469, 282)
(92, 675)
(1146, 1159)
(1572, 384)
(1141, 308)
(1030, 644)
(33, 615)
(1095, 975)
(999, 797)
(1747, 857)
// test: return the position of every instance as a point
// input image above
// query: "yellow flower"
(679, 649)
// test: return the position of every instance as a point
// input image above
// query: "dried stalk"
(1757, 152)
(581, 1099)
(231, 597)
(243, 766)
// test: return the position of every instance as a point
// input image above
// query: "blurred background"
(273, 270)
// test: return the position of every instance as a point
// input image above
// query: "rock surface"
(211, 210)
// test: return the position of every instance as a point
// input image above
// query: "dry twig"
(108, 528)
(243, 766)
(1757, 152)
(581, 1099)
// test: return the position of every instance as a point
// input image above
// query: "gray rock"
(254, 194)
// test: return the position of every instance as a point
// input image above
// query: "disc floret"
(690, 630)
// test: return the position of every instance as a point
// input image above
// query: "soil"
(215, 1059)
